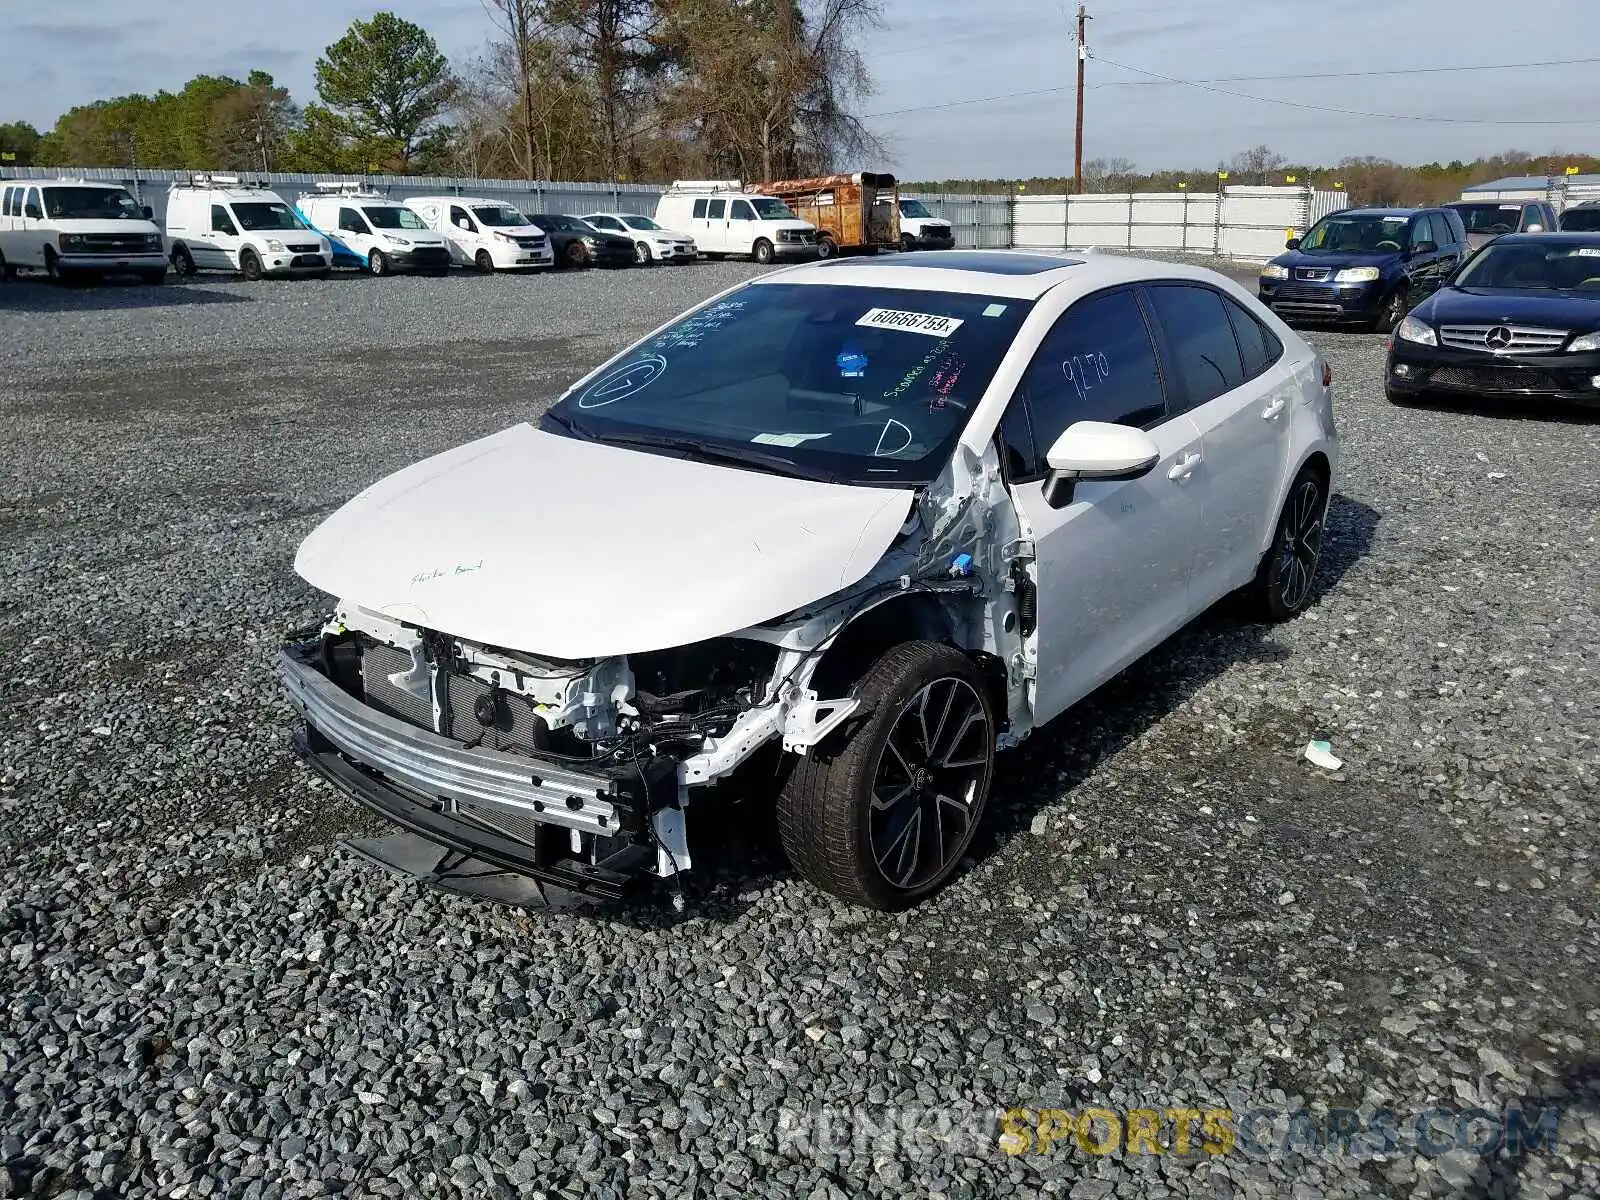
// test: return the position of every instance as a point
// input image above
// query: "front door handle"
(1184, 467)
(1273, 409)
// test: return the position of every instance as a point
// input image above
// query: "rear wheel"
(484, 261)
(884, 818)
(762, 251)
(378, 262)
(1284, 582)
(250, 265)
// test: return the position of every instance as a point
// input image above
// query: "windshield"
(262, 215)
(1362, 233)
(914, 208)
(384, 216)
(855, 384)
(1529, 266)
(501, 215)
(770, 208)
(1490, 218)
(633, 222)
(91, 204)
(1580, 220)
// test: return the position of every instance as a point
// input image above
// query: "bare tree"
(520, 23)
(1109, 174)
(1260, 161)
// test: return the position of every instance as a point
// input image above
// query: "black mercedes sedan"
(579, 244)
(1520, 318)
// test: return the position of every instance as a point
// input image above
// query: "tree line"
(1367, 179)
(595, 90)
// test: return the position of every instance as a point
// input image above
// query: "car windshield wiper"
(727, 455)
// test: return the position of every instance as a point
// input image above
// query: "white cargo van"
(920, 229)
(372, 232)
(487, 234)
(219, 223)
(73, 229)
(723, 218)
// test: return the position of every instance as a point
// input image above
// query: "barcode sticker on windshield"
(911, 322)
(1587, 252)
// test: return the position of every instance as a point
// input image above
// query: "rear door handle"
(1273, 409)
(1184, 467)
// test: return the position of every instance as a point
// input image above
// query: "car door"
(219, 247)
(742, 227)
(717, 225)
(34, 233)
(354, 233)
(1427, 256)
(1225, 371)
(462, 230)
(1112, 563)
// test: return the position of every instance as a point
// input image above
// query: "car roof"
(1553, 239)
(1376, 211)
(1017, 274)
(461, 200)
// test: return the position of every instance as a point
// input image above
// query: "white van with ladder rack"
(223, 223)
(372, 232)
(724, 218)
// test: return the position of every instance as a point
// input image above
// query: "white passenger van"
(73, 229)
(723, 218)
(218, 223)
(487, 234)
(372, 232)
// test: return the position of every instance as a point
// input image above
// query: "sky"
(942, 53)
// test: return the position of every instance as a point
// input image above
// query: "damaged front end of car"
(511, 773)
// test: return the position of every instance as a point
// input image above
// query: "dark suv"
(1488, 219)
(1364, 266)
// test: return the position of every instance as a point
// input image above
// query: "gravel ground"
(202, 995)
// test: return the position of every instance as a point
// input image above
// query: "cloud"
(75, 35)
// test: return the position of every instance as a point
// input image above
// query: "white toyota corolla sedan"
(829, 540)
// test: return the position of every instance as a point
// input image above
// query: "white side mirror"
(1535, 228)
(1101, 450)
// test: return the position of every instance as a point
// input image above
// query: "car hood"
(531, 541)
(100, 225)
(1336, 262)
(1511, 306)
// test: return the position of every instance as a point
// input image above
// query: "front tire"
(183, 263)
(642, 255)
(378, 263)
(907, 242)
(1284, 583)
(575, 255)
(484, 261)
(250, 266)
(883, 818)
(826, 247)
(762, 251)
(1392, 313)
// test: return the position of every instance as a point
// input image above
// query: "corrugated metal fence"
(1237, 222)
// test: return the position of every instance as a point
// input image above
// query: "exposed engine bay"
(581, 771)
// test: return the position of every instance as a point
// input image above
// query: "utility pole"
(1083, 57)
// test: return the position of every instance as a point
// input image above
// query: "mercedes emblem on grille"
(1497, 338)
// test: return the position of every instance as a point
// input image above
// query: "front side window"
(856, 384)
(261, 216)
(221, 222)
(604, 223)
(742, 211)
(499, 216)
(350, 221)
(34, 208)
(1532, 215)
(770, 208)
(633, 222)
(459, 218)
(1097, 363)
(914, 208)
(90, 204)
(383, 216)
(1360, 233)
(1205, 357)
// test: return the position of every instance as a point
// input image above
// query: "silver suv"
(1488, 219)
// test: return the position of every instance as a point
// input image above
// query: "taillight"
(1327, 374)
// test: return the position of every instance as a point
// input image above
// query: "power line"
(1159, 80)
(1348, 112)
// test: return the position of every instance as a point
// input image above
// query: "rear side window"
(716, 209)
(5, 202)
(1259, 347)
(700, 208)
(1097, 363)
(1205, 356)
(1581, 220)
